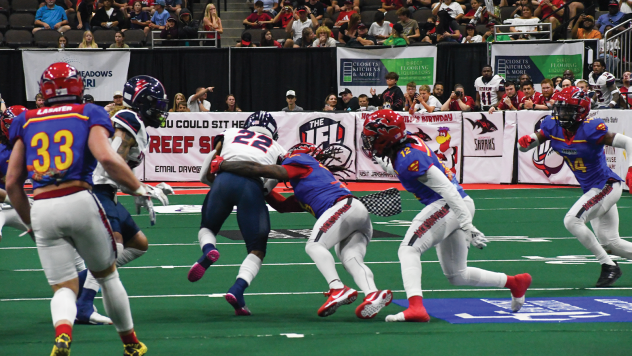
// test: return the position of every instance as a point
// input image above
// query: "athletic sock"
(63, 307)
(416, 310)
(130, 338)
(249, 268)
(204, 261)
(336, 284)
(325, 263)
(128, 255)
(411, 270)
(63, 329)
(205, 236)
(82, 279)
(116, 302)
(238, 291)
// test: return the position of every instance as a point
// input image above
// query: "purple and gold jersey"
(56, 142)
(5, 153)
(412, 162)
(316, 188)
(583, 153)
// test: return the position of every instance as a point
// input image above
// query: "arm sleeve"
(440, 184)
(623, 141)
(283, 205)
(205, 167)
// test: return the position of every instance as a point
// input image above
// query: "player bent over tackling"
(445, 221)
(58, 147)
(343, 222)
(580, 141)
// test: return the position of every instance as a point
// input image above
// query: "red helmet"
(304, 147)
(7, 119)
(571, 107)
(61, 83)
(382, 130)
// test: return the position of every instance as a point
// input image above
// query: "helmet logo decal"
(141, 84)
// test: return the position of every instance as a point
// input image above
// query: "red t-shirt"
(515, 101)
(146, 3)
(285, 19)
(484, 18)
(254, 17)
(454, 105)
(623, 90)
(536, 98)
(345, 15)
(546, 9)
(396, 3)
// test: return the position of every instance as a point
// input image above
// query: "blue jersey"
(412, 162)
(583, 153)
(5, 153)
(56, 142)
(316, 190)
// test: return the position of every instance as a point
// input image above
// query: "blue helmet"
(147, 96)
(264, 120)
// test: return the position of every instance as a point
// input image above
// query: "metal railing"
(163, 43)
(543, 29)
(617, 49)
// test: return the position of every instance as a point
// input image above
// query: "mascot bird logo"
(485, 125)
(449, 155)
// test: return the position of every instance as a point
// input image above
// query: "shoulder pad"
(129, 120)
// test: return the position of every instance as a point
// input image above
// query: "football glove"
(476, 238)
(166, 188)
(216, 164)
(145, 201)
(158, 194)
(268, 185)
(525, 141)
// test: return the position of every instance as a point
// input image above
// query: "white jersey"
(128, 121)
(600, 84)
(489, 91)
(248, 145)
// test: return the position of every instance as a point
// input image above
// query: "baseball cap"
(290, 93)
(351, 2)
(118, 93)
(346, 91)
(172, 19)
(301, 9)
(491, 24)
(613, 3)
(398, 27)
(246, 39)
(160, 2)
(361, 25)
(470, 25)
(287, 3)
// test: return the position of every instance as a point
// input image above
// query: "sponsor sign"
(617, 121)
(536, 310)
(482, 147)
(103, 72)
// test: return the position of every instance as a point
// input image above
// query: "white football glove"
(476, 238)
(268, 185)
(166, 188)
(145, 202)
(157, 193)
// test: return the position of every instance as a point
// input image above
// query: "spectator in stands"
(119, 40)
(64, 4)
(88, 41)
(625, 90)
(160, 17)
(332, 6)
(231, 104)
(548, 12)
(173, 6)
(348, 102)
(584, 28)
(187, 27)
(625, 6)
(212, 22)
(317, 8)
(392, 97)
(271, 6)
(523, 78)
(349, 30)
(51, 16)
(121, 5)
(298, 23)
(62, 42)
(139, 19)
(452, 7)
(411, 27)
(39, 101)
(179, 98)
(197, 102)
(268, 41)
(490, 35)
(410, 95)
(476, 16)
(258, 19)
(391, 5)
(246, 40)
(88, 99)
(116, 104)
(414, 5)
(380, 28)
(531, 97)
(285, 16)
(558, 83)
(566, 83)
(424, 102)
(345, 13)
(568, 74)
(363, 39)
(182, 107)
(471, 35)
(84, 14)
(512, 98)
(306, 40)
(458, 101)
(584, 86)
(363, 101)
(146, 5)
(613, 18)
(170, 32)
(526, 18)
(290, 98)
(546, 103)
(447, 29)
(438, 90)
(323, 38)
(107, 17)
(397, 37)
(330, 102)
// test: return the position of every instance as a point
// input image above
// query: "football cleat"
(197, 271)
(62, 345)
(240, 310)
(373, 303)
(517, 295)
(93, 319)
(135, 349)
(419, 315)
(337, 297)
(609, 275)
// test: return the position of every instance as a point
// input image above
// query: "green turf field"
(176, 317)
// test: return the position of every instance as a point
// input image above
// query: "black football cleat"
(609, 275)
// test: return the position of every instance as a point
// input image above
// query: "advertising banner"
(544, 60)
(483, 151)
(617, 121)
(103, 72)
(363, 69)
(440, 131)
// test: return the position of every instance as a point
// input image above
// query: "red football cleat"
(337, 297)
(373, 303)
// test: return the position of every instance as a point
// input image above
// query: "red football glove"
(216, 163)
(525, 141)
(628, 179)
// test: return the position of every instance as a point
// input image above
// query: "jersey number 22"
(248, 138)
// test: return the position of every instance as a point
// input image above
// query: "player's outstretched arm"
(112, 163)
(528, 142)
(621, 141)
(16, 175)
(251, 169)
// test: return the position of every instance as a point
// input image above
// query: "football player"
(343, 222)
(256, 142)
(603, 84)
(146, 99)
(57, 147)
(489, 88)
(581, 142)
(445, 221)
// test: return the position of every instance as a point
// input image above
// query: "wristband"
(141, 190)
(614, 103)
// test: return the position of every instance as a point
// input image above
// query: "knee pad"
(458, 279)
(408, 252)
(572, 222)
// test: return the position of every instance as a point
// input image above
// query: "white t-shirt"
(377, 30)
(454, 9)
(110, 11)
(520, 21)
(298, 27)
(626, 8)
(432, 101)
(475, 39)
(194, 107)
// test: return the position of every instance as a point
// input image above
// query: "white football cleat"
(517, 303)
(395, 318)
(98, 319)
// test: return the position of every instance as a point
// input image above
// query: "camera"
(457, 93)
(287, 8)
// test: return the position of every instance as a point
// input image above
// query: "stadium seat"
(22, 21)
(422, 15)
(4, 22)
(481, 28)
(279, 34)
(367, 17)
(462, 30)
(335, 32)
(391, 17)
(505, 12)
(74, 37)
(5, 7)
(72, 19)
(18, 38)
(366, 5)
(134, 38)
(104, 38)
(46, 38)
(25, 6)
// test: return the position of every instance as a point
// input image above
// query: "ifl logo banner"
(329, 135)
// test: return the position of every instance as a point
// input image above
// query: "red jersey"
(454, 105)
(546, 9)
(484, 18)
(345, 15)
(515, 101)
(285, 19)
(396, 3)
(626, 92)
(542, 100)
(254, 17)
(536, 98)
